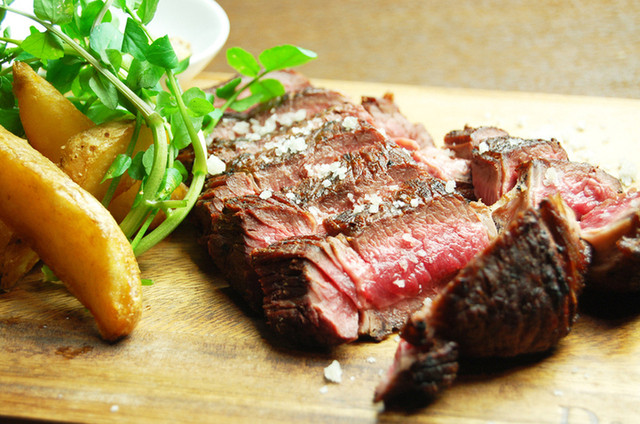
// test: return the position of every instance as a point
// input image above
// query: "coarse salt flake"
(324, 389)
(483, 147)
(550, 176)
(414, 203)
(399, 283)
(266, 194)
(350, 123)
(241, 127)
(215, 165)
(333, 372)
(371, 360)
(450, 187)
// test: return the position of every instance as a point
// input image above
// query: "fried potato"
(87, 156)
(48, 118)
(16, 258)
(72, 233)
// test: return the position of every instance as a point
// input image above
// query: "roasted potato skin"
(72, 233)
(87, 155)
(16, 258)
(49, 119)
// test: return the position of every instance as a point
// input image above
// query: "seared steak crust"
(519, 295)
(419, 372)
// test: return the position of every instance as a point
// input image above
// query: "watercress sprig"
(113, 70)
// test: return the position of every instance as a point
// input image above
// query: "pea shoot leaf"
(161, 53)
(43, 45)
(285, 56)
(118, 167)
(171, 181)
(147, 10)
(269, 88)
(227, 90)
(106, 92)
(55, 11)
(196, 101)
(135, 40)
(243, 62)
(143, 74)
(136, 169)
(246, 102)
(105, 36)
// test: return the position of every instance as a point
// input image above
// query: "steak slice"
(382, 271)
(495, 163)
(613, 231)
(293, 115)
(518, 296)
(582, 187)
(463, 142)
(250, 222)
(440, 163)
(274, 170)
(387, 116)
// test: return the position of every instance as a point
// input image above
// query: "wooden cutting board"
(198, 355)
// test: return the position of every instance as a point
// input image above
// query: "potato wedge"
(87, 156)
(16, 258)
(73, 234)
(48, 118)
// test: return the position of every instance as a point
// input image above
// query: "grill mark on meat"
(518, 296)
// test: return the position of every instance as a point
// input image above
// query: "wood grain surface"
(199, 355)
(553, 46)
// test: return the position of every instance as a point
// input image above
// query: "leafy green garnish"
(113, 73)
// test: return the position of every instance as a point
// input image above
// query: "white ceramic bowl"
(202, 24)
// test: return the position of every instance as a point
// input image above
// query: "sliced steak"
(274, 170)
(441, 163)
(381, 272)
(495, 163)
(582, 187)
(387, 116)
(613, 230)
(463, 142)
(250, 222)
(518, 296)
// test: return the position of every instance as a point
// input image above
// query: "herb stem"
(199, 171)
